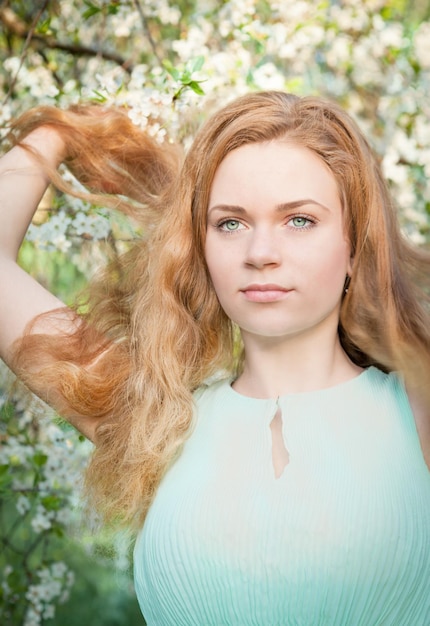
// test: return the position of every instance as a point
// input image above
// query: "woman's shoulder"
(412, 405)
(213, 385)
(421, 413)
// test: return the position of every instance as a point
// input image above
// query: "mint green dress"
(341, 538)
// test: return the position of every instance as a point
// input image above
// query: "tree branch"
(19, 28)
(27, 42)
(146, 30)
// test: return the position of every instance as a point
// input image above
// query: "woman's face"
(275, 247)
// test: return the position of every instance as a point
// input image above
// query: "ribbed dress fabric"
(341, 538)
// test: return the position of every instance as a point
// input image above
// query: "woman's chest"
(345, 518)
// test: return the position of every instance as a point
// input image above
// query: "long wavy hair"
(154, 330)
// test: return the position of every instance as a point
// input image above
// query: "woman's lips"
(265, 293)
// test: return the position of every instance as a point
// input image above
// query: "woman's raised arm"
(23, 181)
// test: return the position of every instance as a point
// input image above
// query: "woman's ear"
(346, 284)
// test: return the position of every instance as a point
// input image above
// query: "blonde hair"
(155, 327)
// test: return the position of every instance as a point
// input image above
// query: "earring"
(346, 285)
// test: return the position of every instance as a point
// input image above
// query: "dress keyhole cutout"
(280, 456)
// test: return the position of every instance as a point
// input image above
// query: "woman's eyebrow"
(284, 206)
(227, 208)
(295, 204)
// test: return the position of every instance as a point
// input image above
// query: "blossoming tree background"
(169, 64)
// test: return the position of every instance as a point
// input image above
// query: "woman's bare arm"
(23, 182)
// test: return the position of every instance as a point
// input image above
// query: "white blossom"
(32, 617)
(23, 505)
(42, 520)
(169, 14)
(267, 76)
(421, 42)
(124, 22)
(12, 64)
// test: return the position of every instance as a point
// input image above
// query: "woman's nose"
(263, 249)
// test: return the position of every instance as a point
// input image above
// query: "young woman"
(294, 488)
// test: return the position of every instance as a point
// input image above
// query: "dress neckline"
(339, 387)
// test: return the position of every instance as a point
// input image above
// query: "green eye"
(230, 225)
(299, 222)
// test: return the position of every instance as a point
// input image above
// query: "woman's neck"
(276, 367)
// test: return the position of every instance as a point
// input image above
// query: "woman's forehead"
(276, 170)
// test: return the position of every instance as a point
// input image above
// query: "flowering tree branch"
(15, 26)
(147, 30)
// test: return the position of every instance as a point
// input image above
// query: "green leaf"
(40, 459)
(186, 77)
(51, 503)
(170, 69)
(113, 8)
(3, 470)
(91, 10)
(195, 86)
(5, 477)
(44, 27)
(99, 97)
(7, 412)
(59, 532)
(14, 580)
(198, 63)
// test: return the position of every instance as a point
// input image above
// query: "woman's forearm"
(23, 181)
